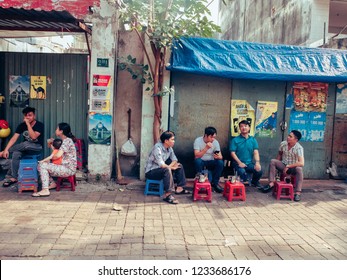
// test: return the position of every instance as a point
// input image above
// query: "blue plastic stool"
(27, 173)
(154, 187)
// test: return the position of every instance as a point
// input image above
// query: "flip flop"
(170, 199)
(9, 183)
(37, 194)
(183, 192)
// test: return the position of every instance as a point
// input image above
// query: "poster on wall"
(341, 99)
(100, 128)
(19, 91)
(38, 87)
(241, 110)
(266, 119)
(310, 97)
(101, 80)
(310, 124)
(100, 105)
(101, 91)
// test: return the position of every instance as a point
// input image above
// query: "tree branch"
(145, 50)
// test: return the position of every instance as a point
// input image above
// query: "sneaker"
(266, 189)
(217, 188)
(297, 197)
(257, 185)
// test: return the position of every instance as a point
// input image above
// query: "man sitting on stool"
(290, 161)
(244, 148)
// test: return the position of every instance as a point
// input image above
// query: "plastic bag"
(128, 148)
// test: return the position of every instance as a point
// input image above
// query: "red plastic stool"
(71, 179)
(283, 190)
(202, 191)
(235, 190)
(292, 178)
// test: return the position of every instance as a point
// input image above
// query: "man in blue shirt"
(244, 149)
(162, 164)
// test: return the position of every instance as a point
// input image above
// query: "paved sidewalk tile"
(109, 221)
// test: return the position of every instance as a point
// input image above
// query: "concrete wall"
(103, 45)
(129, 96)
(268, 21)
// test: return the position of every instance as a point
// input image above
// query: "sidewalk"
(110, 221)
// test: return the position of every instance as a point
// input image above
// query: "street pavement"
(118, 222)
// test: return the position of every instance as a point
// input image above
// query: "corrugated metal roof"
(37, 20)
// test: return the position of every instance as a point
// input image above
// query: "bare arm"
(32, 133)
(12, 141)
(200, 153)
(238, 161)
(256, 156)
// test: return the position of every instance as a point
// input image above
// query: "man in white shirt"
(208, 156)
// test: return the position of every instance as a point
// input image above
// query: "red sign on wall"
(77, 8)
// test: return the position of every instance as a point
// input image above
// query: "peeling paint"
(75, 7)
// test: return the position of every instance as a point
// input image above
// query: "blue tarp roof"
(244, 60)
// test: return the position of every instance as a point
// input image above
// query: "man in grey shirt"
(208, 155)
(162, 164)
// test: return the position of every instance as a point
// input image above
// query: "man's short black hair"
(244, 122)
(210, 130)
(166, 135)
(297, 134)
(27, 110)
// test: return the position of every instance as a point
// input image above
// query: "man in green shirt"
(245, 155)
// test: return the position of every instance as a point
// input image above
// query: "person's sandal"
(170, 199)
(9, 182)
(183, 192)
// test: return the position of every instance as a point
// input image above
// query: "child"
(55, 147)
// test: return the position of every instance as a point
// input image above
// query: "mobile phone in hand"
(216, 152)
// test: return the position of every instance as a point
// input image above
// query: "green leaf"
(134, 77)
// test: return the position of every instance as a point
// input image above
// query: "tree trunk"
(156, 99)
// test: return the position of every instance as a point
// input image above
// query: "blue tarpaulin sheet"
(245, 60)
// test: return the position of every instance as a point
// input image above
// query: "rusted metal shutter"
(66, 93)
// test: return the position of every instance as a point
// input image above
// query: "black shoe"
(217, 188)
(297, 197)
(257, 185)
(266, 189)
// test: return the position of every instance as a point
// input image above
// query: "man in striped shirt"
(289, 161)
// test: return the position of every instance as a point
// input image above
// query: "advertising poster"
(310, 97)
(102, 80)
(100, 105)
(100, 128)
(19, 91)
(241, 110)
(310, 124)
(266, 119)
(341, 99)
(38, 87)
(101, 93)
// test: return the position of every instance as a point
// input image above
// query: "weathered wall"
(268, 21)
(129, 96)
(104, 45)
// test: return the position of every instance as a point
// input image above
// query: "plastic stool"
(292, 178)
(283, 190)
(154, 187)
(202, 191)
(72, 181)
(27, 186)
(235, 190)
(27, 174)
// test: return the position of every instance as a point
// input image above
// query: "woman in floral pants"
(69, 163)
